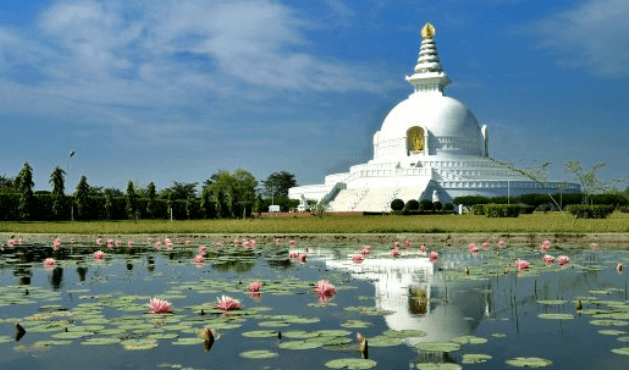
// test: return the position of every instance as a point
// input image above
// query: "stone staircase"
(375, 200)
(345, 200)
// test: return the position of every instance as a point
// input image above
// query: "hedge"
(426, 205)
(478, 209)
(501, 210)
(587, 211)
(412, 205)
(397, 204)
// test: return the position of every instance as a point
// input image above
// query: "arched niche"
(415, 140)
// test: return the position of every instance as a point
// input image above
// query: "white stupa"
(430, 146)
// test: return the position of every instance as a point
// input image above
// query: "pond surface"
(87, 313)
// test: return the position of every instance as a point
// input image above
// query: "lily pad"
(329, 341)
(332, 333)
(72, 334)
(383, 341)
(438, 346)
(404, 333)
(609, 322)
(469, 339)
(6, 339)
(532, 362)
(138, 344)
(431, 366)
(556, 316)
(351, 363)
(621, 351)
(188, 341)
(300, 344)
(299, 334)
(612, 332)
(101, 341)
(552, 302)
(470, 358)
(260, 334)
(259, 354)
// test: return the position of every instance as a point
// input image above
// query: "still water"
(84, 313)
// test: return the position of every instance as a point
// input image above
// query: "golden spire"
(428, 31)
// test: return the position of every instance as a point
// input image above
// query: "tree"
(58, 187)
(222, 190)
(278, 183)
(115, 192)
(82, 198)
(150, 205)
(244, 192)
(131, 201)
(590, 182)
(207, 205)
(179, 190)
(24, 182)
(109, 204)
(6, 183)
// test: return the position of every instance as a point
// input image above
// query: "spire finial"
(428, 32)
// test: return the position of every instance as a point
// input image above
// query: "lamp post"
(67, 182)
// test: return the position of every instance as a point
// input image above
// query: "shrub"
(501, 210)
(397, 204)
(425, 205)
(624, 209)
(615, 200)
(448, 207)
(534, 200)
(544, 207)
(478, 209)
(437, 206)
(411, 205)
(504, 200)
(471, 200)
(587, 211)
(526, 209)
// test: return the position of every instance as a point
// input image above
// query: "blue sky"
(169, 91)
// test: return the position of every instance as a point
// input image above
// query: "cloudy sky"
(169, 91)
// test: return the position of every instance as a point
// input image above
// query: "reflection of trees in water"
(129, 266)
(150, 263)
(56, 277)
(434, 357)
(417, 301)
(239, 266)
(81, 271)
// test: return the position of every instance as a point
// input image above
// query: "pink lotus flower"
(366, 250)
(99, 241)
(619, 267)
(486, 246)
(278, 241)
(167, 241)
(169, 245)
(394, 252)
(50, 263)
(324, 287)
(358, 259)
(594, 246)
(434, 256)
(219, 244)
(549, 260)
(99, 255)
(245, 244)
(252, 244)
(236, 241)
(255, 296)
(56, 244)
(407, 243)
(198, 259)
(158, 245)
(110, 243)
(502, 244)
(255, 286)
(522, 265)
(302, 258)
(563, 260)
(208, 334)
(130, 244)
(396, 245)
(149, 240)
(292, 243)
(11, 242)
(187, 243)
(293, 255)
(471, 246)
(543, 248)
(20, 240)
(178, 240)
(475, 250)
(359, 337)
(160, 306)
(202, 250)
(227, 303)
(118, 243)
(422, 249)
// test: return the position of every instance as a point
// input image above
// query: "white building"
(430, 146)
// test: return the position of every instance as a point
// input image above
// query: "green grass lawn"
(538, 223)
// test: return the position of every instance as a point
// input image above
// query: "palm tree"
(58, 197)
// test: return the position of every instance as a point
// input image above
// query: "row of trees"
(224, 195)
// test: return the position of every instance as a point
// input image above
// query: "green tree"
(179, 190)
(131, 201)
(25, 185)
(109, 204)
(278, 183)
(7, 184)
(150, 204)
(82, 198)
(222, 190)
(207, 205)
(589, 179)
(244, 192)
(57, 178)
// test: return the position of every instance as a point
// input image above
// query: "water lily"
(358, 259)
(219, 244)
(198, 259)
(187, 243)
(549, 260)
(99, 241)
(594, 247)
(49, 263)
(99, 255)
(169, 245)
(255, 286)
(422, 250)
(474, 249)
(278, 241)
(56, 244)
(434, 256)
(522, 264)
(118, 243)
(110, 243)
(236, 241)
(619, 267)
(293, 255)
(396, 245)
(252, 244)
(160, 306)
(323, 287)
(407, 243)
(486, 245)
(394, 252)
(302, 258)
(227, 303)
(130, 243)
(158, 245)
(563, 260)
(502, 244)
(202, 250)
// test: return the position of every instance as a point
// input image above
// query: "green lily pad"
(532, 362)
(259, 354)
(138, 344)
(188, 341)
(72, 334)
(332, 333)
(358, 324)
(552, 302)
(273, 323)
(299, 334)
(499, 335)
(431, 366)
(438, 346)
(101, 341)
(300, 344)
(556, 316)
(162, 336)
(614, 316)
(623, 339)
(469, 339)
(621, 351)
(612, 332)
(404, 333)
(609, 322)
(260, 334)
(383, 341)
(329, 341)
(303, 320)
(6, 339)
(351, 363)
(470, 358)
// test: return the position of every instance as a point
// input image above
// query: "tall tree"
(109, 204)
(245, 192)
(6, 183)
(82, 198)
(57, 180)
(150, 204)
(278, 183)
(179, 190)
(222, 189)
(589, 179)
(131, 201)
(25, 185)
(207, 205)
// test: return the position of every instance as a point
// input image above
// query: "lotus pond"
(472, 308)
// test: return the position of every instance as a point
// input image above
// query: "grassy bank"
(535, 223)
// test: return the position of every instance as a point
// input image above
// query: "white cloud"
(593, 35)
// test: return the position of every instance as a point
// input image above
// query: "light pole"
(67, 182)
